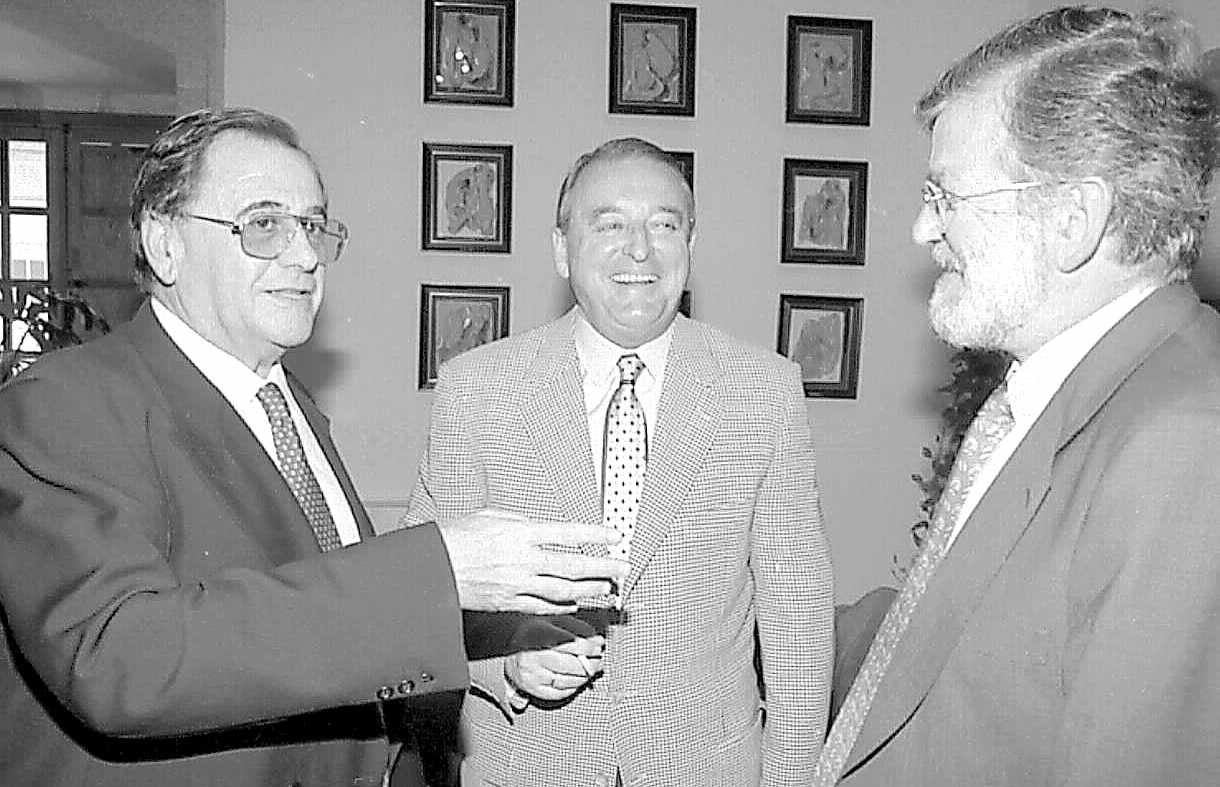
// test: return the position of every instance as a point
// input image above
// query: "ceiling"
(81, 44)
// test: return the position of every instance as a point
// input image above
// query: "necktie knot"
(629, 368)
(272, 399)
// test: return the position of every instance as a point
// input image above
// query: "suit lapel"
(552, 401)
(687, 420)
(216, 438)
(1006, 510)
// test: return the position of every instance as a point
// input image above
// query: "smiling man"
(697, 449)
(192, 592)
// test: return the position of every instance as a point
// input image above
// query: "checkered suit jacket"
(729, 534)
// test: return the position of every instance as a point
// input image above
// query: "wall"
(350, 80)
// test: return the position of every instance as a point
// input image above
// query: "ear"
(690, 243)
(163, 247)
(559, 252)
(1080, 223)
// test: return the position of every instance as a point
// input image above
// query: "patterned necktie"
(296, 470)
(624, 455)
(990, 425)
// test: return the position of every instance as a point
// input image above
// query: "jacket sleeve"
(143, 621)
(794, 597)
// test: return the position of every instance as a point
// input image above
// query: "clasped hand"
(555, 657)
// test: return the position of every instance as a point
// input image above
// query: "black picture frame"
(685, 160)
(467, 197)
(821, 334)
(825, 211)
(469, 52)
(829, 70)
(454, 318)
(652, 60)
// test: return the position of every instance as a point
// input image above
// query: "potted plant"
(45, 320)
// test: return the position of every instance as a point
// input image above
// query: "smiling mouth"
(291, 292)
(946, 260)
(634, 278)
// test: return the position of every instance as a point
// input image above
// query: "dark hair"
(171, 168)
(618, 150)
(1096, 92)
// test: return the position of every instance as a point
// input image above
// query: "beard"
(983, 297)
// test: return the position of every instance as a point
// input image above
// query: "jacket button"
(406, 687)
(385, 693)
(426, 677)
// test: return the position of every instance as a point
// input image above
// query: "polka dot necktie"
(296, 470)
(990, 425)
(624, 455)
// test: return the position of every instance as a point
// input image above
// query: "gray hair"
(1096, 92)
(170, 171)
(618, 150)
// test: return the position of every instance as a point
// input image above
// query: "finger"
(572, 534)
(583, 647)
(559, 564)
(533, 605)
(562, 591)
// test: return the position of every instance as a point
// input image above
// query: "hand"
(500, 565)
(548, 671)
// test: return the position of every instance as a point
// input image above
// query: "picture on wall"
(686, 163)
(467, 197)
(821, 334)
(468, 52)
(824, 211)
(830, 70)
(454, 318)
(652, 60)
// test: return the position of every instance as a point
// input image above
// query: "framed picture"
(652, 59)
(686, 162)
(468, 52)
(454, 318)
(825, 206)
(822, 335)
(467, 197)
(830, 70)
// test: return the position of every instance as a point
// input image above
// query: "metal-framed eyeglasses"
(265, 235)
(945, 202)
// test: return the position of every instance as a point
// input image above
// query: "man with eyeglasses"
(1060, 625)
(697, 448)
(192, 591)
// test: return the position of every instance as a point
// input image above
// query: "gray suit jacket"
(728, 534)
(168, 620)
(1071, 636)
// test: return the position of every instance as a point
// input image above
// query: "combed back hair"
(619, 150)
(1095, 92)
(171, 169)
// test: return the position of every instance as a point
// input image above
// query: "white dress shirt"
(240, 385)
(598, 358)
(1032, 385)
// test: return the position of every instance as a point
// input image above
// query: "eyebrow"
(267, 204)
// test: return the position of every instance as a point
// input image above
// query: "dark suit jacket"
(168, 617)
(1071, 635)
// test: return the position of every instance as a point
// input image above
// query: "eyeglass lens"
(267, 236)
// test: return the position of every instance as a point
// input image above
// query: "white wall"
(349, 77)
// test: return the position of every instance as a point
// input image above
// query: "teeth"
(633, 278)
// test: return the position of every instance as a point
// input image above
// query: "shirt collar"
(1032, 384)
(232, 377)
(599, 356)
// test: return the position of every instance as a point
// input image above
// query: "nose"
(927, 227)
(638, 245)
(300, 252)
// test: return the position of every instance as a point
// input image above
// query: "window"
(64, 185)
